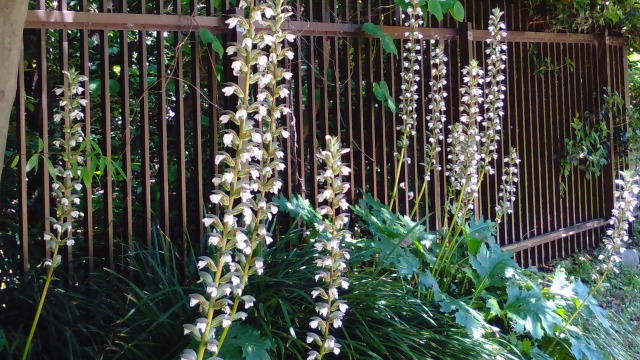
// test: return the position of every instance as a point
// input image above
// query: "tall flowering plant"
(622, 215)
(437, 117)
(332, 257)
(66, 187)
(249, 174)
(409, 97)
(472, 143)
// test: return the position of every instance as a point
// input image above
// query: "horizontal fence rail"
(154, 100)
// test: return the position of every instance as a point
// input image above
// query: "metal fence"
(154, 103)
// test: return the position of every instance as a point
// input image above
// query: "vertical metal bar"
(421, 131)
(22, 172)
(182, 176)
(44, 126)
(604, 80)
(162, 128)
(347, 64)
(547, 158)
(323, 63)
(142, 62)
(198, 178)
(88, 189)
(510, 137)
(313, 110)
(299, 119)
(359, 112)
(572, 187)
(371, 135)
(518, 59)
(126, 134)
(528, 161)
(106, 142)
(381, 141)
(560, 117)
(582, 181)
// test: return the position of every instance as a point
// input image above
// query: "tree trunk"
(12, 15)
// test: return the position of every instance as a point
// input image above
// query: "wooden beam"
(555, 235)
(44, 19)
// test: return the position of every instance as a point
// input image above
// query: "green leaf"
(458, 11)
(466, 316)
(392, 236)
(15, 161)
(298, 208)
(402, 4)
(529, 311)
(245, 342)
(436, 9)
(492, 266)
(32, 163)
(386, 40)
(494, 308)
(114, 86)
(583, 348)
(392, 105)
(207, 37)
(49, 165)
(86, 175)
(380, 90)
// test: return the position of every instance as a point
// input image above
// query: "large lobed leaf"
(529, 311)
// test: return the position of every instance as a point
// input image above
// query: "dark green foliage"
(133, 315)
(384, 321)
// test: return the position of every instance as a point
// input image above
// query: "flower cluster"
(66, 185)
(438, 107)
(331, 257)
(411, 66)
(622, 215)
(494, 91)
(249, 175)
(409, 95)
(437, 116)
(473, 142)
(507, 192)
(464, 140)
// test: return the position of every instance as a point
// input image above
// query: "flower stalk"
(473, 141)
(413, 19)
(66, 185)
(617, 236)
(507, 194)
(331, 258)
(437, 118)
(248, 176)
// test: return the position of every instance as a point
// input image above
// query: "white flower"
(215, 198)
(227, 139)
(269, 40)
(233, 21)
(228, 90)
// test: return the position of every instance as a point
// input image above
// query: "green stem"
(41, 303)
(417, 203)
(579, 309)
(398, 171)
